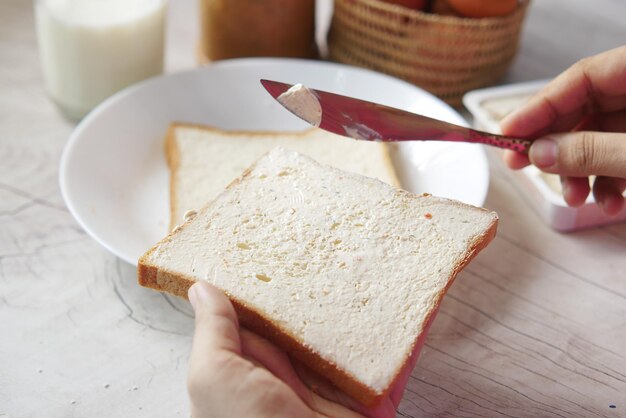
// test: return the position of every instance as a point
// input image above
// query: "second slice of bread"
(204, 160)
(342, 271)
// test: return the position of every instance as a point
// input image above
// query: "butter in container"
(488, 107)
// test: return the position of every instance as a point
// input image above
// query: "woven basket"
(446, 55)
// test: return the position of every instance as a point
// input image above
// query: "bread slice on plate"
(204, 160)
(342, 271)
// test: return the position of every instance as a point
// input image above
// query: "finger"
(515, 160)
(529, 120)
(323, 389)
(214, 363)
(261, 351)
(216, 347)
(608, 192)
(575, 190)
(611, 122)
(596, 84)
(605, 122)
(581, 154)
(327, 408)
(217, 328)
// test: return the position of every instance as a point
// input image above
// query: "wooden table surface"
(536, 326)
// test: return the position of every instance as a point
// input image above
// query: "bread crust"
(172, 156)
(479, 243)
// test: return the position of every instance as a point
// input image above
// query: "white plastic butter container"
(488, 107)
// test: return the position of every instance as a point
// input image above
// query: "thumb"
(213, 364)
(217, 328)
(581, 154)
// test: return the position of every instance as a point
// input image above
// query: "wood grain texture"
(535, 326)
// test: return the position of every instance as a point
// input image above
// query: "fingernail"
(197, 294)
(191, 294)
(612, 204)
(543, 153)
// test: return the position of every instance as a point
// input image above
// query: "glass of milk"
(90, 49)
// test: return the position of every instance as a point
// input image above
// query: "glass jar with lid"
(257, 28)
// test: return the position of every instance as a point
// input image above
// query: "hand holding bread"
(235, 372)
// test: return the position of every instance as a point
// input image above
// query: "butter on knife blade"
(303, 102)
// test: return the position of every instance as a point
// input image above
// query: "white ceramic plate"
(113, 173)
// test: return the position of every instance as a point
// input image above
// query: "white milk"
(90, 49)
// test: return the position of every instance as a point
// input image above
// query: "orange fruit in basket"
(409, 4)
(483, 8)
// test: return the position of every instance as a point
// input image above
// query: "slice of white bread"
(204, 160)
(341, 270)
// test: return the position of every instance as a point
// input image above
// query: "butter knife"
(360, 119)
